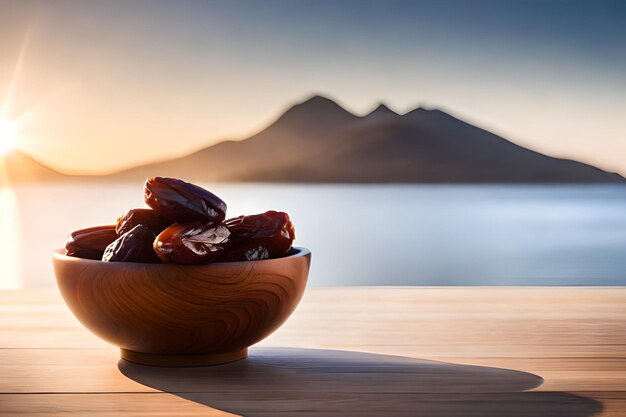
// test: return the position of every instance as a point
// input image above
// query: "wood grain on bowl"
(183, 314)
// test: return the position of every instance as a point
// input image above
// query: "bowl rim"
(59, 255)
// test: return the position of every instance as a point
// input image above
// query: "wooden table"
(345, 352)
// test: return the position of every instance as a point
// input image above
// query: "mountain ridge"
(317, 140)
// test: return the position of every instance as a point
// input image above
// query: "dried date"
(259, 236)
(145, 217)
(133, 246)
(91, 242)
(245, 252)
(192, 243)
(182, 202)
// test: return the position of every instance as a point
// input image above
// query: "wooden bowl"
(183, 315)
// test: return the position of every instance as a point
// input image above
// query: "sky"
(98, 86)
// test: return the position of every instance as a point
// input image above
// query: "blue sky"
(550, 75)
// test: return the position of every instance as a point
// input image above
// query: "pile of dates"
(185, 224)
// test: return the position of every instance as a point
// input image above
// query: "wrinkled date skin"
(259, 236)
(91, 242)
(133, 246)
(145, 217)
(192, 243)
(182, 202)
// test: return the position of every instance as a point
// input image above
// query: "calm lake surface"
(370, 234)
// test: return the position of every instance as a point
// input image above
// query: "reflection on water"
(384, 234)
(10, 235)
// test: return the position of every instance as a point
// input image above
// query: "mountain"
(19, 167)
(319, 141)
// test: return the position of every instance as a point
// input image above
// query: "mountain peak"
(426, 111)
(381, 110)
(315, 111)
(318, 100)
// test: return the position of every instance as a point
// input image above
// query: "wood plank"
(135, 405)
(526, 404)
(96, 370)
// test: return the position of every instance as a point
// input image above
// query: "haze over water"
(371, 234)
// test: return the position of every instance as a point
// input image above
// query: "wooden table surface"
(361, 351)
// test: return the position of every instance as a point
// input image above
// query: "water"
(370, 234)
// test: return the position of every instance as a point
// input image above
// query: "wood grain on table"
(360, 351)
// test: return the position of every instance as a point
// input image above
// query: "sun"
(8, 135)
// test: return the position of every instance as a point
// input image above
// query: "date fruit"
(133, 246)
(182, 202)
(145, 217)
(91, 242)
(192, 243)
(259, 236)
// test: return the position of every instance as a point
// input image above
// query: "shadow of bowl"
(183, 315)
(307, 382)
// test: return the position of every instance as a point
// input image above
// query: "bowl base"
(183, 360)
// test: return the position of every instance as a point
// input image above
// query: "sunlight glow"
(8, 135)
(10, 245)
